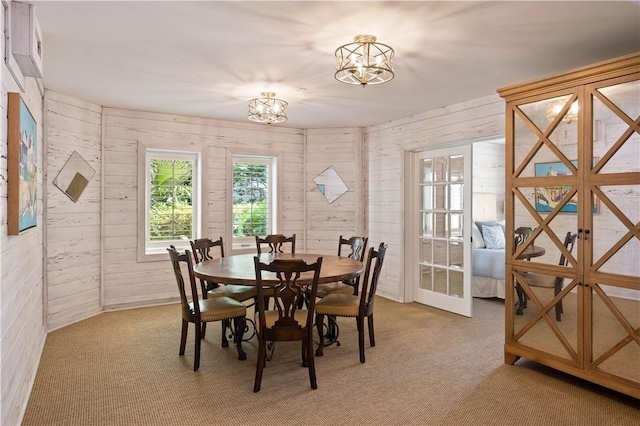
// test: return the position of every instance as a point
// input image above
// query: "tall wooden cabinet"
(573, 166)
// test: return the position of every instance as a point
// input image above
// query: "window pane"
(250, 199)
(170, 199)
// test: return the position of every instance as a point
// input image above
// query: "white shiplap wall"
(341, 149)
(489, 172)
(22, 327)
(128, 282)
(73, 228)
(384, 152)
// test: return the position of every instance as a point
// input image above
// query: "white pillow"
(493, 237)
(476, 237)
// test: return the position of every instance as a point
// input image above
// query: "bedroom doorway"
(440, 228)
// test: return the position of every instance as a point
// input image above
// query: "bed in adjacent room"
(488, 261)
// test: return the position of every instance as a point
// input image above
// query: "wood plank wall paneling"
(384, 147)
(128, 282)
(325, 222)
(489, 171)
(22, 330)
(73, 228)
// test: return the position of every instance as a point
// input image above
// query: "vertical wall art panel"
(22, 167)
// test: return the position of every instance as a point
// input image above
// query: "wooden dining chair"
(357, 306)
(546, 281)
(355, 248)
(286, 321)
(202, 250)
(275, 243)
(200, 311)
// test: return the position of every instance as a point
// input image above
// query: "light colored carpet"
(429, 367)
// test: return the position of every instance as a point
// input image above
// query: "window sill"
(158, 254)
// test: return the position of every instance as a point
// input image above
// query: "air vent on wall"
(26, 39)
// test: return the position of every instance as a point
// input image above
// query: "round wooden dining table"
(532, 251)
(239, 269)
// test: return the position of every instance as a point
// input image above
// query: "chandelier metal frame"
(268, 109)
(364, 61)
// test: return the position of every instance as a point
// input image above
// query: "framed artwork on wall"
(330, 184)
(22, 140)
(548, 197)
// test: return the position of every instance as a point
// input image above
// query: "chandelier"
(364, 61)
(555, 107)
(268, 109)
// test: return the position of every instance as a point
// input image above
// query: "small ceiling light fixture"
(555, 107)
(364, 61)
(268, 109)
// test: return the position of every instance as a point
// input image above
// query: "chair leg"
(308, 346)
(360, 323)
(319, 320)
(558, 307)
(183, 336)
(304, 351)
(372, 336)
(196, 356)
(262, 360)
(204, 330)
(522, 299)
(239, 322)
(225, 325)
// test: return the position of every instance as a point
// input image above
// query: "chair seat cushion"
(538, 280)
(236, 292)
(272, 316)
(345, 305)
(220, 308)
(329, 288)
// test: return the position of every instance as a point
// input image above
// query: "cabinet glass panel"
(618, 212)
(535, 155)
(544, 321)
(616, 319)
(611, 129)
(548, 245)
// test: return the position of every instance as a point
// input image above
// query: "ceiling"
(209, 58)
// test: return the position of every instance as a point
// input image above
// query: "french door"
(441, 226)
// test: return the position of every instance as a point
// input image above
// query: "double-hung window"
(254, 198)
(172, 199)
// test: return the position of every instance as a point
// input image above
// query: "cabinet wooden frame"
(584, 280)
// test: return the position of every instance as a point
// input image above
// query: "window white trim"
(157, 250)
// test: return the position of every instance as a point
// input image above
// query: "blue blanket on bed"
(487, 263)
